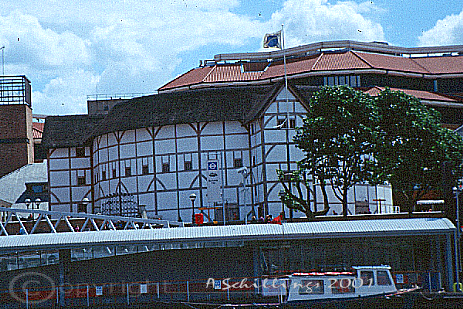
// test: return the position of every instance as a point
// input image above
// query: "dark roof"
(68, 131)
(234, 103)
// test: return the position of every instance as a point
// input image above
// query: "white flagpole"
(288, 160)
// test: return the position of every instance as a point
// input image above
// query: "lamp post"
(192, 199)
(85, 202)
(457, 191)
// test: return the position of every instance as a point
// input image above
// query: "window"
(238, 162)
(114, 173)
(311, 287)
(81, 180)
(165, 167)
(128, 171)
(282, 123)
(81, 207)
(341, 286)
(367, 277)
(103, 175)
(37, 189)
(145, 170)
(188, 165)
(349, 80)
(80, 152)
(383, 278)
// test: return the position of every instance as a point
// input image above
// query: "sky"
(71, 49)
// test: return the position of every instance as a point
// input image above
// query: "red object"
(277, 220)
(199, 219)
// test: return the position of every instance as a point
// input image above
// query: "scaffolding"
(15, 90)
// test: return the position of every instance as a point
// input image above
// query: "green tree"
(338, 138)
(414, 146)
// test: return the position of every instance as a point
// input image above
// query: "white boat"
(362, 284)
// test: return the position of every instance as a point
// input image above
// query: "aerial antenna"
(3, 59)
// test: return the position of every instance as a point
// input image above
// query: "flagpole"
(288, 161)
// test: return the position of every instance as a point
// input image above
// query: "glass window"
(165, 167)
(81, 180)
(80, 152)
(145, 170)
(311, 287)
(188, 165)
(383, 278)
(128, 171)
(367, 277)
(341, 286)
(238, 162)
(103, 175)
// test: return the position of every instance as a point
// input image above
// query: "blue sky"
(71, 49)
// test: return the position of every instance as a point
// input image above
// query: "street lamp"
(27, 201)
(85, 202)
(457, 191)
(245, 173)
(192, 199)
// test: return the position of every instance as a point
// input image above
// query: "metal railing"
(30, 221)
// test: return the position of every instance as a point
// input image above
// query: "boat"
(364, 285)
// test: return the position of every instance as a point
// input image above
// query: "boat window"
(311, 287)
(367, 277)
(341, 286)
(383, 278)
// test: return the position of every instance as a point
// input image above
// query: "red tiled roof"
(340, 61)
(347, 60)
(394, 63)
(230, 73)
(37, 129)
(441, 65)
(423, 95)
(191, 77)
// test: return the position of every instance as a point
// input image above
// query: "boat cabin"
(363, 281)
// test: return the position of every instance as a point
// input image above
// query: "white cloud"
(447, 31)
(308, 21)
(69, 49)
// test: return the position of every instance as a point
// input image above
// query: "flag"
(272, 40)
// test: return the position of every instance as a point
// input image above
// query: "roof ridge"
(208, 73)
(361, 58)
(415, 62)
(316, 61)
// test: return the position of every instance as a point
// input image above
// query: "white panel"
(61, 193)
(166, 132)
(130, 184)
(270, 122)
(128, 137)
(80, 162)
(103, 155)
(78, 193)
(143, 135)
(213, 128)
(59, 153)
(167, 200)
(145, 148)
(143, 182)
(127, 151)
(277, 154)
(285, 94)
(211, 142)
(165, 146)
(59, 178)
(300, 108)
(234, 127)
(275, 135)
(272, 108)
(58, 164)
(111, 140)
(113, 154)
(187, 144)
(185, 130)
(236, 141)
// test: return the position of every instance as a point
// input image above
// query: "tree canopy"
(349, 137)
